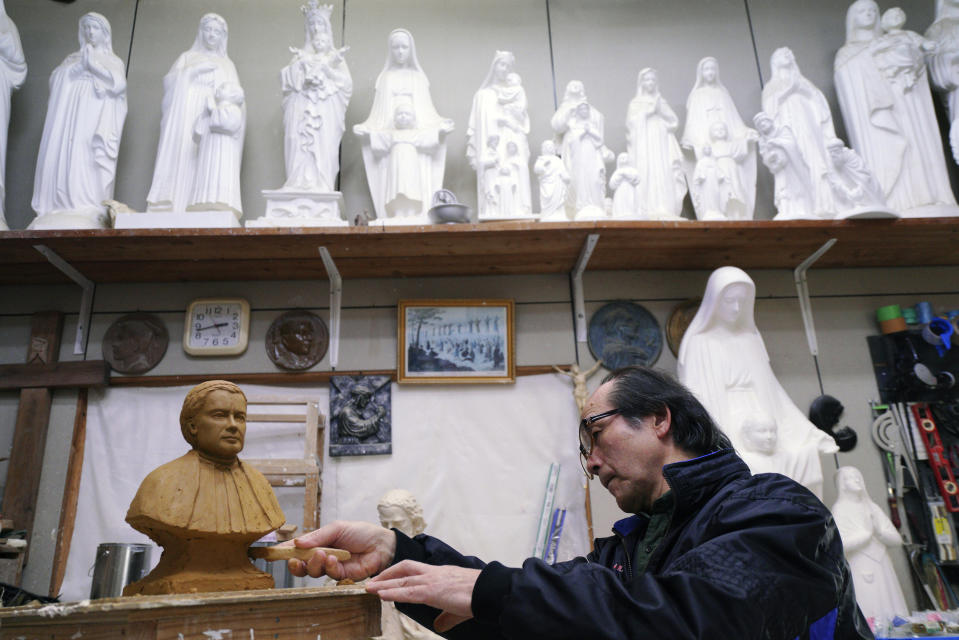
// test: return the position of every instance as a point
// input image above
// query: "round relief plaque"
(135, 343)
(297, 340)
(624, 333)
(679, 321)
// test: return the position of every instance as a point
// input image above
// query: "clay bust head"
(213, 420)
(398, 509)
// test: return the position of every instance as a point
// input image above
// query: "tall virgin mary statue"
(403, 94)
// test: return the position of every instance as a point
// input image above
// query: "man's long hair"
(639, 392)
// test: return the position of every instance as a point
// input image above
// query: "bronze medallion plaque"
(297, 340)
(135, 343)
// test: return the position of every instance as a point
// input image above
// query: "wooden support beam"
(30, 433)
(86, 373)
(71, 492)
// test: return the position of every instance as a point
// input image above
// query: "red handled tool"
(937, 456)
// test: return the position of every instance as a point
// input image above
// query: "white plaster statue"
(944, 63)
(189, 91)
(779, 149)
(855, 189)
(219, 136)
(580, 127)
(793, 101)
(402, 82)
(499, 113)
(718, 192)
(651, 127)
(625, 185)
(723, 360)
(398, 509)
(553, 184)
(761, 451)
(867, 535)
(317, 86)
(708, 103)
(77, 161)
(886, 103)
(13, 71)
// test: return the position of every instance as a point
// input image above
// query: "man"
(711, 552)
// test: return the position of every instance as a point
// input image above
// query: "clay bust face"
(219, 427)
(400, 49)
(760, 435)
(393, 517)
(731, 304)
(213, 34)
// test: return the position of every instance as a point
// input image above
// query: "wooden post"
(71, 492)
(30, 433)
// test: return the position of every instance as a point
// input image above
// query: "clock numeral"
(217, 310)
(200, 316)
(215, 342)
(233, 335)
(198, 335)
(236, 315)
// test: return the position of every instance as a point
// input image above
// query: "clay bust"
(206, 507)
(867, 533)
(398, 509)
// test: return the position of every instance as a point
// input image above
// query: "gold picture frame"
(455, 342)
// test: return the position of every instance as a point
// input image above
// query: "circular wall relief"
(135, 343)
(679, 321)
(297, 340)
(624, 333)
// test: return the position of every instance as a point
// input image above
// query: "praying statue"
(867, 535)
(13, 71)
(709, 104)
(886, 103)
(580, 127)
(625, 184)
(403, 124)
(943, 63)
(316, 91)
(206, 507)
(399, 510)
(651, 126)
(499, 113)
(77, 161)
(553, 184)
(723, 360)
(189, 99)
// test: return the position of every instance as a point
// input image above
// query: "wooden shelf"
(175, 255)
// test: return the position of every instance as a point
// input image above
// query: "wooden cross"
(36, 380)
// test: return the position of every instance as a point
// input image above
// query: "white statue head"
(783, 61)
(764, 123)
(718, 131)
(398, 509)
(862, 21)
(647, 82)
(850, 484)
(212, 35)
(893, 19)
(707, 72)
(582, 110)
(575, 92)
(95, 30)
(513, 79)
(319, 29)
(728, 304)
(836, 148)
(760, 434)
(229, 92)
(401, 50)
(622, 160)
(403, 116)
(500, 68)
(548, 148)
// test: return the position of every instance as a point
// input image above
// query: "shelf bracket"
(576, 282)
(802, 287)
(336, 300)
(86, 300)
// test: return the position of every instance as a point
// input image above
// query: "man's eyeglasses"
(586, 439)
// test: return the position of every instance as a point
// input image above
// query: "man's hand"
(372, 548)
(445, 587)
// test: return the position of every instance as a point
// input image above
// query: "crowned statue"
(77, 160)
(206, 507)
(316, 92)
(404, 138)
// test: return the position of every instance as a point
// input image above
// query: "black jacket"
(744, 557)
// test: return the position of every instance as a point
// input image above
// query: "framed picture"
(452, 341)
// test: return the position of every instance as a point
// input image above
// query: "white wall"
(604, 43)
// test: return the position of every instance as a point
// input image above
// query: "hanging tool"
(937, 458)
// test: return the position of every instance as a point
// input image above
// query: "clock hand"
(215, 325)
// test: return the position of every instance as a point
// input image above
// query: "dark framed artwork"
(360, 415)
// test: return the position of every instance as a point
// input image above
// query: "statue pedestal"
(863, 213)
(932, 211)
(288, 208)
(225, 219)
(420, 220)
(94, 219)
(591, 212)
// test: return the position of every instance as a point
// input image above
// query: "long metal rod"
(576, 278)
(336, 300)
(799, 276)
(86, 299)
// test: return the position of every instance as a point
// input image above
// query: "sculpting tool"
(285, 553)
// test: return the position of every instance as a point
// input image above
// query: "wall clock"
(216, 327)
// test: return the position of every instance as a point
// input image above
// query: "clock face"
(217, 326)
